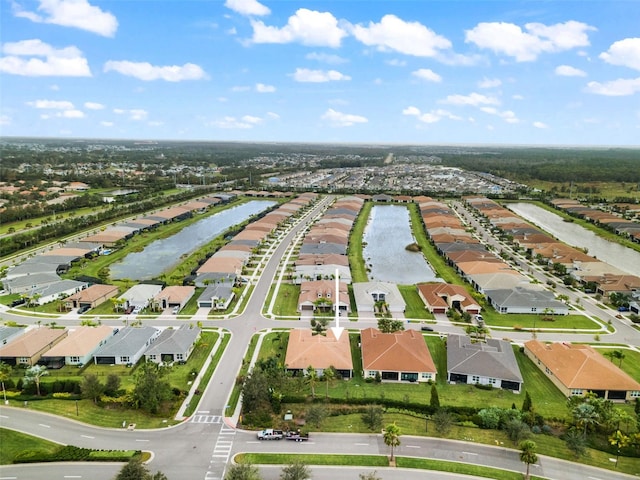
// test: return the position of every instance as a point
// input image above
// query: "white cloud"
(71, 114)
(517, 97)
(107, 124)
(318, 76)
(262, 88)
(394, 34)
(339, 119)
(326, 58)
(307, 27)
(427, 74)
(540, 125)
(155, 123)
(147, 72)
(394, 62)
(489, 83)
(625, 53)
(615, 88)
(93, 106)
(433, 116)
(569, 71)
(473, 99)
(273, 116)
(247, 7)
(71, 13)
(134, 114)
(51, 104)
(230, 122)
(525, 46)
(63, 62)
(507, 115)
(5, 120)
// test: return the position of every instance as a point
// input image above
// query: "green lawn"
(286, 303)
(14, 443)
(630, 363)
(356, 261)
(526, 320)
(414, 306)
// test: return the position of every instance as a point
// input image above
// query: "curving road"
(201, 447)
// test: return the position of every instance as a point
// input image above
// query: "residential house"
(579, 369)
(486, 363)
(400, 357)
(217, 296)
(27, 348)
(92, 296)
(126, 347)
(139, 296)
(173, 345)
(372, 296)
(526, 300)
(78, 347)
(319, 352)
(173, 296)
(320, 294)
(440, 297)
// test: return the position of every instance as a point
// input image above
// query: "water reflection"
(387, 234)
(577, 236)
(164, 254)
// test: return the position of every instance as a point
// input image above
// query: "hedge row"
(69, 453)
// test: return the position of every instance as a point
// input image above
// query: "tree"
(527, 404)
(372, 416)
(5, 373)
(618, 355)
(528, 455)
(312, 378)
(388, 325)
(295, 471)
(136, 470)
(112, 385)
(316, 415)
(34, 374)
(242, 471)
(517, 430)
(150, 388)
(91, 387)
(585, 415)
(328, 375)
(391, 436)
(434, 401)
(443, 421)
(618, 440)
(575, 442)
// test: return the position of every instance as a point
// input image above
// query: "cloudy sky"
(419, 71)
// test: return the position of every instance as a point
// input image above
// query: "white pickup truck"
(270, 434)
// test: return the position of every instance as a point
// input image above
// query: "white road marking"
(362, 444)
(412, 446)
(141, 440)
(8, 478)
(469, 453)
(72, 476)
(4, 416)
(43, 425)
(87, 436)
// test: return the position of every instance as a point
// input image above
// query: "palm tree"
(528, 454)
(391, 436)
(34, 374)
(585, 415)
(618, 355)
(5, 371)
(328, 375)
(312, 378)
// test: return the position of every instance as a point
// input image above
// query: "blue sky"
(426, 72)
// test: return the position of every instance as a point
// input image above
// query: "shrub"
(64, 395)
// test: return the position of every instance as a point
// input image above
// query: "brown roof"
(400, 351)
(435, 292)
(315, 289)
(318, 351)
(94, 292)
(176, 293)
(31, 342)
(580, 366)
(80, 341)
(322, 259)
(217, 264)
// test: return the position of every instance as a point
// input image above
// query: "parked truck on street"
(270, 434)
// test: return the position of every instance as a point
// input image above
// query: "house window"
(492, 381)
(534, 309)
(152, 357)
(179, 356)
(576, 391)
(547, 371)
(475, 379)
(503, 309)
(23, 359)
(425, 376)
(634, 394)
(371, 373)
(74, 359)
(124, 359)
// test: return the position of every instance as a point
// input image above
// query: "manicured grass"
(286, 303)
(414, 306)
(459, 468)
(630, 362)
(313, 459)
(356, 261)
(274, 345)
(14, 443)
(525, 320)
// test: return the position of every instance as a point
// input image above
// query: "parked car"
(175, 310)
(426, 328)
(270, 434)
(129, 310)
(83, 309)
(19, 301)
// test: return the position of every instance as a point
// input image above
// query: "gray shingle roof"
(127, 341)
(494, 359)
(174, 341)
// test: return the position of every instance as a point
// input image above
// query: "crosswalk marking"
(206, 419)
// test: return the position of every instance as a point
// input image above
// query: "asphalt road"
(202, 446)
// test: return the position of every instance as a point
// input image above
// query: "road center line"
(412, 446)
(469, 453)
(87, 436)
(140, 440)
(362, 444)
(43, 425)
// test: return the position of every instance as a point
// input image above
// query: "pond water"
(386, 235)
(164, 254)
(575, 235)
